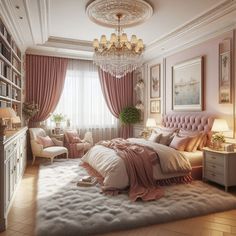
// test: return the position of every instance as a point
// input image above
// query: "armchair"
(47, 152)
(77, 147)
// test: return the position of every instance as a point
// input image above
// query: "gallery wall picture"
(187, 85)
(155, 106)
(225, 83)
(155, 81)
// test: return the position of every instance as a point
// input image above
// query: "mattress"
(195, 158)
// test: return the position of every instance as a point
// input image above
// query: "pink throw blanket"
(139, 163)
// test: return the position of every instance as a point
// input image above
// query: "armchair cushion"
(72, 137)
(53, 151)
(45, 141)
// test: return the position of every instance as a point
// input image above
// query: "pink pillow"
(73, 137)
(179, 143)
(45, 141)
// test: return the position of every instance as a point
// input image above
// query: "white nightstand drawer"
(210, 166)
(215, 177)
(215, 158)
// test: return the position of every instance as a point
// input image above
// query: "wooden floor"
(21, 219)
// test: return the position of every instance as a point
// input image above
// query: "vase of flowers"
(58, 118)
(217, 140)
(29, 110)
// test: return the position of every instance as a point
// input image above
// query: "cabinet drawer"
(215, 177)
(214, 158)
(211, 166)
(10, 148)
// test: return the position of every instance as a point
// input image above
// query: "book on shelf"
(3, 104)
(1, 67)
(3, 89)
(7, 72)
(8, 90)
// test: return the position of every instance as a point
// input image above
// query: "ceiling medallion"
(118, 56)
(134, 12)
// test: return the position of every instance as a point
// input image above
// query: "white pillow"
(155, 137)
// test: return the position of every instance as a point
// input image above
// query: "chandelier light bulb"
(113, 38)
(124, 38)
(134, 39)
(95, 43)
(140, 43)
(103, 40)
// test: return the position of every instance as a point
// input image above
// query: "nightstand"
(219, 167)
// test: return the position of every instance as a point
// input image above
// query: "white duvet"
(112, 167)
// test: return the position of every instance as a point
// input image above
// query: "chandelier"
(118, 56)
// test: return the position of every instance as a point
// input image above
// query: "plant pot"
(58, 125)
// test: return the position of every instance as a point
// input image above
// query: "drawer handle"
(213, 175)
(14, 168)
(213, 166)
(8, 150)
(18, 160)
(12, 171)
(213, 157)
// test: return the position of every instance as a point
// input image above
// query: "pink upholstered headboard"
(189, 121)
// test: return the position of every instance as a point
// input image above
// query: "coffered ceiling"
(62, 26)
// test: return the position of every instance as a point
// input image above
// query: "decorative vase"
(217, 145)
(58, 124)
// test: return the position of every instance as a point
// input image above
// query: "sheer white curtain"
(83, 104)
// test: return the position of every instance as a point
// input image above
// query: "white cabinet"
(219, 167)
(12, 166)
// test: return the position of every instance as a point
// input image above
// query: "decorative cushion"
(54, 151)
(166, 138)
(72, 137)
(155, 137)
(45, 141)
(179, 143)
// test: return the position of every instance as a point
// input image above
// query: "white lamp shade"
(220, 125)
(7, 112)
(151, 122)
(16, 120)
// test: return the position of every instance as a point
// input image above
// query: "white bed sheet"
(195, 158)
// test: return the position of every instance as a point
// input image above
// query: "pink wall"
(210, 52)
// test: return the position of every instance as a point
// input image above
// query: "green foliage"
(58, 117)
(218, 137)
(130, 115)
(29, 109)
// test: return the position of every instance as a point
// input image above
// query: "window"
(82, 100)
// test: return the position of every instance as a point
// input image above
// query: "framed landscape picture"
(155, 106)
(225, 78)
(155, 81)
(187, 85)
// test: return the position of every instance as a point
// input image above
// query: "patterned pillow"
(45, 141)
(166, 138)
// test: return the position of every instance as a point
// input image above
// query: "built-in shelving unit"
(10, 71)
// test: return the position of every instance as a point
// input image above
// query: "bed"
(171, 165)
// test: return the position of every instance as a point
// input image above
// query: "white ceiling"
(62, 26)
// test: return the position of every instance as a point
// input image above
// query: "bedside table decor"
(219, 167)
(218, 138)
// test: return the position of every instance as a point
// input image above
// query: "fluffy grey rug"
(65, 209)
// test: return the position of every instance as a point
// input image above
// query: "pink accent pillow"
(179, 143)
(45, 141)
(73, 137)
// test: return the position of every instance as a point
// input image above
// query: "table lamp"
(7, 113)
(219, 126)
(151, 123)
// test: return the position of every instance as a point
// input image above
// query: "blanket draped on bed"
(139, 163)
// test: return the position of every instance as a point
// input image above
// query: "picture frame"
(225, 77)
(187, 85)
(155, 81)
(155, 106)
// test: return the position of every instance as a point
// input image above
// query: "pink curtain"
(118, 94)
(45, 78)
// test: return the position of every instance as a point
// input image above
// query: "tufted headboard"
(189, 121)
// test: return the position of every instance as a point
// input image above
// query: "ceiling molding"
(215, 13)
(29, 19)
(59, 52)
(5, 11)
(65, 43)
(43, 16)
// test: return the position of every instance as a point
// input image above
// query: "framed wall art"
(155, 81)
(187, 85)
(225, 83)
(155, 106)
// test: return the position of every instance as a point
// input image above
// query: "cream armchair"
(48, 152)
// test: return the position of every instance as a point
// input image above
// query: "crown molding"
(59, 52)
(209, 25)
(215, 13)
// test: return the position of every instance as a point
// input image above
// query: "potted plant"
(29, 110)
(58, 118)
(129, 115)
(217, 140)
